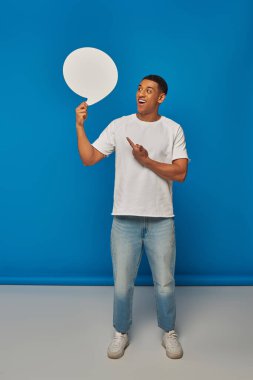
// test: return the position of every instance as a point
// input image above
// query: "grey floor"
(62, 332)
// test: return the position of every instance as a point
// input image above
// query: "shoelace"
(172, 336)
(117, 339)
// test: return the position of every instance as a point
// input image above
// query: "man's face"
(148, 96)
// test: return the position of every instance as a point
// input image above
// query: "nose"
(141, 90)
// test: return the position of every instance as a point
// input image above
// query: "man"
(150, 154)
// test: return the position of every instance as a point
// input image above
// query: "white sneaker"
(117, 346)
(172, 345)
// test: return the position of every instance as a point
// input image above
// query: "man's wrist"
(147, 162)
(79, 125)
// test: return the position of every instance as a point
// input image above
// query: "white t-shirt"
(137, 189)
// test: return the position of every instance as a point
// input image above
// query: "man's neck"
(148, 117)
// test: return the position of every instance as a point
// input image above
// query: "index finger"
(130, 142)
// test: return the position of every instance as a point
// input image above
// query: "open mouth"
(141, 101)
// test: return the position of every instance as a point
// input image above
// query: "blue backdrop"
(55, 213)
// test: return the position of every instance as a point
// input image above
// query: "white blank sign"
(90, 73)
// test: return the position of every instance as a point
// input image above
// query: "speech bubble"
(90, 73)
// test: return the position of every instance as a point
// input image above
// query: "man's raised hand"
(81, 113)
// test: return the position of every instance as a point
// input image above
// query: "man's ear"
(161, 97)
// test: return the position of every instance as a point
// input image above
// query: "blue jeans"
(129, 236)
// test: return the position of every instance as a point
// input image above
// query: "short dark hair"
(159, 80)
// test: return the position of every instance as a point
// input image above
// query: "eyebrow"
(147, 87)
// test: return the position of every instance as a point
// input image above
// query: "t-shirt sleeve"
(105, 143)
(179, 146)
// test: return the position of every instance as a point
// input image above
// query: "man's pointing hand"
(139, 152)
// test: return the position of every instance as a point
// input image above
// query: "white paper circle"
(90, 73)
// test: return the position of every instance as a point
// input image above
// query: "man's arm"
(89, 155)
(176, 171)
